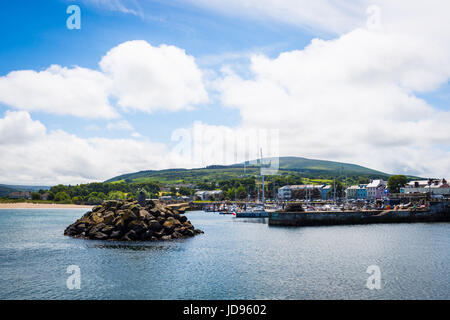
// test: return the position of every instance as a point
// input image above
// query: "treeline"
(96, 192)
(244, 187)
(234, 188)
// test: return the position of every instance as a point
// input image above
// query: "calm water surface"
(234, 259)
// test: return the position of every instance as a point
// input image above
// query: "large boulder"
(129, 221)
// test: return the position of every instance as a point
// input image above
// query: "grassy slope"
(317, 170)
(296, 163)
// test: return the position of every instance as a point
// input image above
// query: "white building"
(208, 195)
(284, 193)
(435, 187)
(375, 189)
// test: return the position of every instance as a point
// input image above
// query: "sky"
(158, 84)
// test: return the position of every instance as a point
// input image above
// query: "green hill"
(311, 165)
(297, 166)
(4, 191)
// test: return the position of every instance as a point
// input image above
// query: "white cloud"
(30, 154)
(140, 76)
(78, 91)
(325, 15)
(120, 125)
(92, 127)
(148, 78)
(353, 98)
(123, 125)
(127, 6)
(17, 127)
(339, 17)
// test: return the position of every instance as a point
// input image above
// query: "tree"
(363, 180)
(116, 195)
(229, 195)
(241, 193)
(36, 196)
(340, 191)
(62, 196)
(185, 191)
(77, 200)
(396, 182)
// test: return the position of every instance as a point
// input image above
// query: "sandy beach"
(27, 205)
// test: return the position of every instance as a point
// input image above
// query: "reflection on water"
(252, 220)
(233, 259)
(133, 247)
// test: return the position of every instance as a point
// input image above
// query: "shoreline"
(28, 205)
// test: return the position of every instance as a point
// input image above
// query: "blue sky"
(35, 37)
(334, 83)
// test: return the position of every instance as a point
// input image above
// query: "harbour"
(233, 259)
(437, 212)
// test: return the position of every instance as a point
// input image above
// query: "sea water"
(233, 259)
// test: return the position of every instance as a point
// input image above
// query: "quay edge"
(438, 212)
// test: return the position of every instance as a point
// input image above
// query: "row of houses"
(376, 189)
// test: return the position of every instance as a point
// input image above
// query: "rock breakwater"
(129, 221)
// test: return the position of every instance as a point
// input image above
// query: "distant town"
(376, 189)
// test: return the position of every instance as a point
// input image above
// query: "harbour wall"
(438, 212)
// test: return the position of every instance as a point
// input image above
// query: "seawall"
(438, 212)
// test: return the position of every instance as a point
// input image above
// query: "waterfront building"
(45, 196)
(325, 192)
(361, 192)
(208, 195)
(417, 186)
(350, 192)
(20, 195)
(434, 186)
(375, 189)
(285, 193)
(357, 192)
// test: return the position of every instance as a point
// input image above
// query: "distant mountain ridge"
(304, 164)
(298, 165)
(6, 189)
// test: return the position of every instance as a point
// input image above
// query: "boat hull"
(256, 214)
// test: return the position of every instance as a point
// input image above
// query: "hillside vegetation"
(314, 170)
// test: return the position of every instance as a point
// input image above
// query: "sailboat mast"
(257, 188)
(262, 175)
